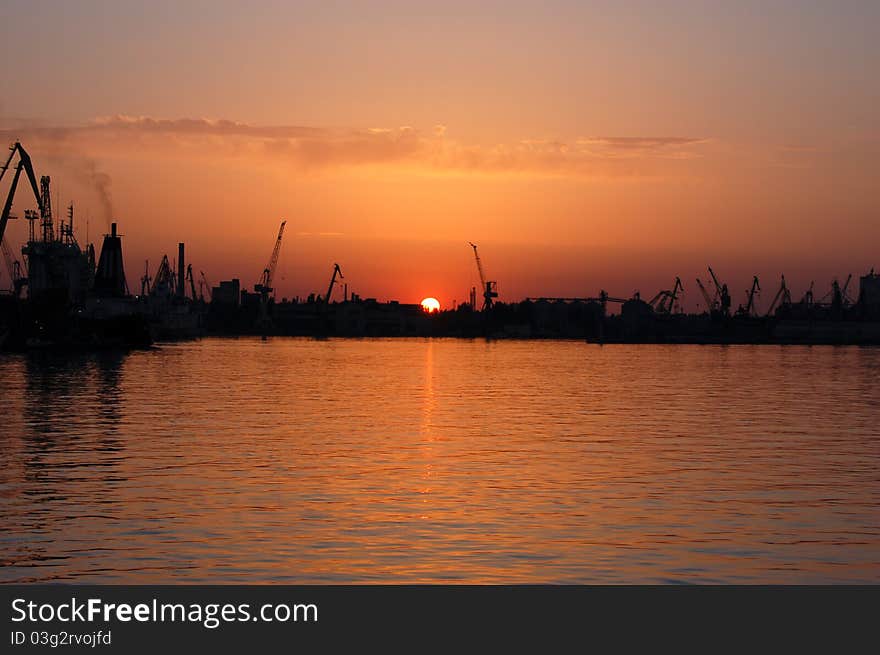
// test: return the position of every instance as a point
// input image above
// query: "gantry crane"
(333, 282)
(490, 288)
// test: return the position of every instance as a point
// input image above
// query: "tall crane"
(24, 162)
(676, 289)
(490, 288)
(846, 299)
(781, 299)
(333, 282)
(164, 283)
(710, 302)
(264, 286)
(146, 279)
(807, 300)
(203, 282)
(192, 282)
(837, 296)
(722, 296)
(749, 309)
(664, 301)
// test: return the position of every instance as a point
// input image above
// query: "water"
(300, 461)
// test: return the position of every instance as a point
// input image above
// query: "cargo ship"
(63, 298)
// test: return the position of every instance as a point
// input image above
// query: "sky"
(581, 145)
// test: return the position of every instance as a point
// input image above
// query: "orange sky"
(581, 145)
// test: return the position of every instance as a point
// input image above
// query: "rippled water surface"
(296, 460)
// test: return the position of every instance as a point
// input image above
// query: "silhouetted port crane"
(192, 282)
(24, 163)
(807, 300)
(722, 296)
(490, 288)
(204, 286)
(17, 270)
(664, 301)
(845, 297)
(837, 296)
(164, 282)
(333, 282)
(710, 303)
(749, 309)
(264, 286)
(146, 279)
(781, 299)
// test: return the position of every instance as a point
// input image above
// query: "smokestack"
(110, 273)
(180, 271)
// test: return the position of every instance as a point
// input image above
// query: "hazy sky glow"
(581, 145)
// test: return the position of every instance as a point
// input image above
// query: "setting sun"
(431, 305)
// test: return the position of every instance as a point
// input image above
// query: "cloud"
(636, 146)
(317, 148)
(641, 143)
(193, 126)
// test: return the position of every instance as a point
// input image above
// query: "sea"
(297, 460)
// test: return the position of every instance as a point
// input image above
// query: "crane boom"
(489, 287)
(146, 279)
(673, 296)
(808, 295)
(269, 271)
(24, 162)
(783, 295)
(479, 265)
(710, 304)
(192, 282)
(658, 301)
(204, 281)
(664, 301)
(264, 286)
(336, 271)
(716, 283)
(722, 296)
(846, 299)
(756, 287)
